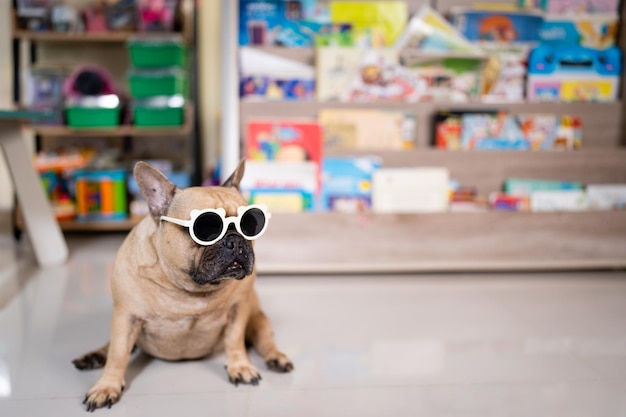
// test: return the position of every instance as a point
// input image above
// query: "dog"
(183, 288)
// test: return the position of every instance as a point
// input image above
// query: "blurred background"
(429, 125)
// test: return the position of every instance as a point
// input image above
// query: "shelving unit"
(374, 243)
(25, 40)
(121, 131)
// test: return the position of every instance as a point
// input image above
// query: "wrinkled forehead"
(198, 198)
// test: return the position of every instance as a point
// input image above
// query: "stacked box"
(158, 81)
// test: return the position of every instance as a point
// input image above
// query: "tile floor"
(541, 344)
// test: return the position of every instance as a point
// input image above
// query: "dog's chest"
(185, 337)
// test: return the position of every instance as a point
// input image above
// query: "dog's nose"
(233, 242)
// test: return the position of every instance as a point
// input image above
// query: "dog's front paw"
(279, 362)
(91, 360)
(243, 374)
(103, 394)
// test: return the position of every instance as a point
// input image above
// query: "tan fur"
(158, 308)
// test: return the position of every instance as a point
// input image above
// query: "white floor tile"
(421, 345)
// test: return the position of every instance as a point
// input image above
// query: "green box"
(159, 111)
(89, 117)
(149, 83)
(157, 53)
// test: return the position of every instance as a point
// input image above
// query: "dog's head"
(229, 257)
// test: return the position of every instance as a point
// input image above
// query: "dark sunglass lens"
(252, 222)
(208, 227)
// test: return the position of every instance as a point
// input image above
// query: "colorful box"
(100, 195)
(497, 25)
(573, 74)
(596, 31)
(276, 23)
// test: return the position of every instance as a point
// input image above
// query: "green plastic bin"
(157, 53)
(85, 118)
(93, 112)
(163, 82)
(159, 111)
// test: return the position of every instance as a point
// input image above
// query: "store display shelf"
(305, 108)
(442, 242)
(598, 119)
(486, 170)
(121, 131)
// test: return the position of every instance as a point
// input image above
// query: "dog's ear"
(155, 187)
(235, 179)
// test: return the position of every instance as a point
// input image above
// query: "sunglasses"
(210, 225)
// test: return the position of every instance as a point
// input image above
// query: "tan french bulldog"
(183, 285)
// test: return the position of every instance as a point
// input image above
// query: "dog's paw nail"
(280, 364)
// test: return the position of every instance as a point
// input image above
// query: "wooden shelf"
(487, 170)
(442, 242)
(121, 131)
(83, 37)
(598, 119)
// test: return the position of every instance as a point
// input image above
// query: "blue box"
(573, 73)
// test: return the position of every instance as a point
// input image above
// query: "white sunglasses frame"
(227, 221)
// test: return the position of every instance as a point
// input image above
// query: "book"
(367, 129)
(284, 155)
(284, 140)
(347, 183)
(526, 187)
(559, 200)
(607, 196)
(500, 131)
(410, 190)
(385, 19)
(358, 74)
(429, 31)
(284, 186)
